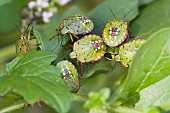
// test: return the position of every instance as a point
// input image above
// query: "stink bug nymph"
(90, 48)
(127, 51)
(22, 44)
(115, 31)
(69, 74)
(75, 25)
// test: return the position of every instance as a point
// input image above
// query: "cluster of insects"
(91, 47)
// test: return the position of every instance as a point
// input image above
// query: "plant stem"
(12, 107)
(78, 97)
(7, 52)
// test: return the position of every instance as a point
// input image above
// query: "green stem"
(7, 52)
(12, 107)
(78, 97)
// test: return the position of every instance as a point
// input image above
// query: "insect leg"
(60, 43)
(31, 32)
(71, 37)
(18, 28)
(76, 36)
(57, 46)
(27, 42)
(53, 37)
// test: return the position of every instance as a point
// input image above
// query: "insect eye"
(23, 37)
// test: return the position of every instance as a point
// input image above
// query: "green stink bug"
(90, 48)
(23, 44)
(76, 24)
(127, 51)
(115, 31)
(69, 74)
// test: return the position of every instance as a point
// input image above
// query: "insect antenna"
(53, 37)
(59, 47)
(17, 28)
(127, 14)
(60, 43)
(112, 12)
(58, 33)
(27, 28)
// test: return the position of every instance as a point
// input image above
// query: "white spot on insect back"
(64, 74)
(116, 33)
(99, 48)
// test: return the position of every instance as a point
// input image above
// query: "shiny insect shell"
(90, 48)
(76, 24)
(69, 74)
(127, 51)
(115, 32)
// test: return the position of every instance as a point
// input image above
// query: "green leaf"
(156, 95)
(10, 15)
(152, 18)
(33, 88)
(153, 109)
(150, 65)
(32, 77)
(111, 77)
(124, 109)
(145, 2)
(3, 2)
(101, 14)
(97, 100)
(33, 63)
(102, 65)
(14, 62)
